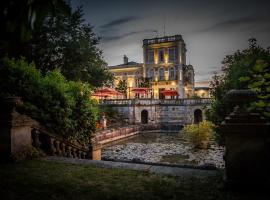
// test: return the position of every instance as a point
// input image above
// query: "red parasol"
(107, 92)
(141, 90)
(169, 92)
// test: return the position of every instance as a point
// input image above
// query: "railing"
(56, 146)
(157, 101)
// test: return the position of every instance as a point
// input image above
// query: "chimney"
(125, 58)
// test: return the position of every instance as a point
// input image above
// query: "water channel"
(168, 148)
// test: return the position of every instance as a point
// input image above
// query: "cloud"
(117, 37)
(118, 22)
(239, 23)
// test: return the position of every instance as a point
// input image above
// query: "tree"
(144, 82)
(54, 37)
(62, 106)
(246, 69)
(19, 19)
(67, 43)
(122, 87)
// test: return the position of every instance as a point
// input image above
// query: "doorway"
(144, 116)
(197, 116)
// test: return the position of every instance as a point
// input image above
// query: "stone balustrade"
(109, 135)
(181, 102)
(56, 146)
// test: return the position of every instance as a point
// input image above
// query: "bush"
(199, 134)
(62, 106)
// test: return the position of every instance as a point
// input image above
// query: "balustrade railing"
(56, 146)
(157, 101)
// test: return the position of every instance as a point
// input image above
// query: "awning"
(100, 95)
(169, 92)
(104, 92)
(141, 90)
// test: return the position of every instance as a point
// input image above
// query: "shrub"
(199, 134)
(62, 106)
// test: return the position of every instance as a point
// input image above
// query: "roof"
(128, 65)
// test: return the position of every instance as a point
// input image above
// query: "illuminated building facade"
(164, 65)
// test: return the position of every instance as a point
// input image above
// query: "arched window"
(161, 74)
(150, 74)
(172, 73)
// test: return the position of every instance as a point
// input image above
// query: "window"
(161, 56)
(171, 55)
(151, 56)
(161, 74)
(172, 73)
(150, 74)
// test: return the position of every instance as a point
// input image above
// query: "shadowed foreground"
(52, 180)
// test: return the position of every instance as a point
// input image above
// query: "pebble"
(153, 152)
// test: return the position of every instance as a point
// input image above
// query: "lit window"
(161, 56)
(161, 74)
(172, 74)
(150, 74)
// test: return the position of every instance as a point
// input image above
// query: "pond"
(167, 148)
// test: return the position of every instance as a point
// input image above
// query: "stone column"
(247, 142)
(181, 91)
(15, 131)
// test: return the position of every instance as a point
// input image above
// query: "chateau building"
(164, 66)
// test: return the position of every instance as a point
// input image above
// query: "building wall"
(203, 93)
(173, 112)
(164, 64)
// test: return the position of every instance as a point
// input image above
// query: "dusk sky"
(211, 29)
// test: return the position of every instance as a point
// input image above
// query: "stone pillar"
(95, 151)
(247, 142)
(181, 91)
(15, 131)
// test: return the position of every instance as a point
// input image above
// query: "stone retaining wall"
(171, 113)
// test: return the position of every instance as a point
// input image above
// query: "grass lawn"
(51, 180)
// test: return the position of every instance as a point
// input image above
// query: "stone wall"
(169, 113)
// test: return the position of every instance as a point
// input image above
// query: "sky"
(211, 29)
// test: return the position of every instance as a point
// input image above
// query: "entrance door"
(144, 117)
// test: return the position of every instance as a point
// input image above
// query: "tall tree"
(19, 19)
(67, 43)
(246, 69)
